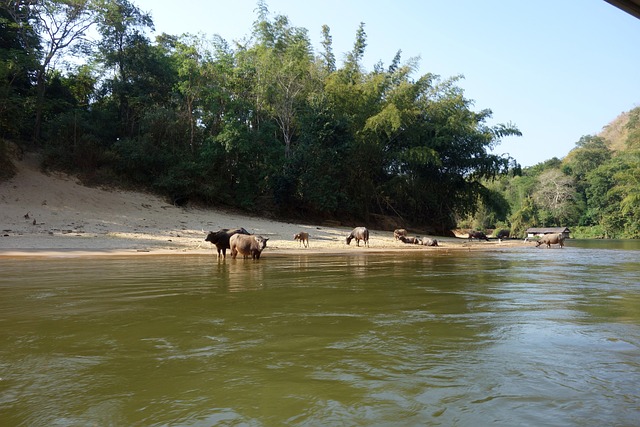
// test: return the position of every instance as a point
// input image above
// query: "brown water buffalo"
(247, 245)
(359, 233)
(551, 239)
(409, 240)
(429, 242)
(221, 238)
(303, 238)
(478, 235)
(399, 232)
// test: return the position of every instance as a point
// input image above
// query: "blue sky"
(557, 69)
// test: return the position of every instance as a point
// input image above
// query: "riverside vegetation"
(270, 126)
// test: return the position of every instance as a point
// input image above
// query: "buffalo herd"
(240, 241)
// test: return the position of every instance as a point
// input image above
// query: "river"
(524, 336)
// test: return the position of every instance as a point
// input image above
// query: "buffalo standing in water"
(551, 239)
(247, 245)
(221, 238)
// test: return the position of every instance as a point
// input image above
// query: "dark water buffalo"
(551, 239)
(303, 238)
(221, 238)
(478, 235)
(247, 245)
(409, 240)
(429, 242)
(399, 232)
(359, 233)
(503, 234)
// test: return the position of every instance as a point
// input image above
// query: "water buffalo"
(477, 235)
(221, 238)
(551, 239)
(503, 234)
(409, 240)
(429, 242)
(359, 233)
(303, 238)
(397, 233)
(247, 245)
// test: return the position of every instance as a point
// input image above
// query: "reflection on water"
(623, 244)
(520, 337)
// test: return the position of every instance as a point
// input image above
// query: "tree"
(283, 61)
(590, 152)
(493, 207)
(189, 61)
(19, 51)
(629, 189)
(353, 64)
(525, 217)
(62, 25)
(556, 193)
(633, 127)
(327, 55)
(121, 25)
(602, 200)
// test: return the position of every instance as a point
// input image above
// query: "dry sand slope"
(53, 214)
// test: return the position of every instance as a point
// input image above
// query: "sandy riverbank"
(53, 215)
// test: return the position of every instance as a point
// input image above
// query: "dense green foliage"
(595, 190)
(266, 125)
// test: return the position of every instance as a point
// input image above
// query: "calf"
(359, 233)
(221, 238)
(303, 238)
(247, 245)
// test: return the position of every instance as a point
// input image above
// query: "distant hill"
(616, 133)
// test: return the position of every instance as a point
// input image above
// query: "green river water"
(520, 337)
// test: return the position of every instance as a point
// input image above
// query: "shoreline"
(101, 248)
(53, 215)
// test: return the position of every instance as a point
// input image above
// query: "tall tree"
(62, 26)
(353, 64)
(283, 61)
(121, 25)
(556, 193)
(19, 52)
(327, 53)
(190, 63)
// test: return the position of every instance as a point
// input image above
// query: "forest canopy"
(273, 126)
